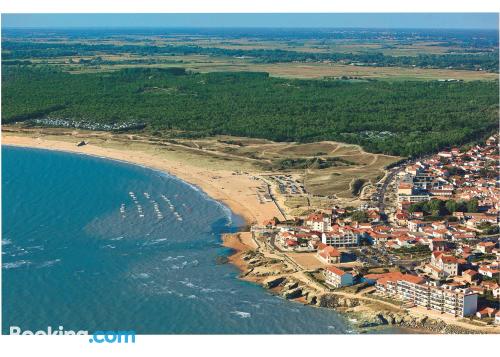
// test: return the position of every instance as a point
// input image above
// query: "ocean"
(95, 244)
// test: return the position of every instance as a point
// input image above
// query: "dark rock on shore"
(335, 301)
(293, 293)
(270, 284)
(404, 319)
(219, 260)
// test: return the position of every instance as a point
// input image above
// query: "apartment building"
(413, 198)
(341, 239)
(458, 302)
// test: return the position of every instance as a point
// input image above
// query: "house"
(318, 222)
(378, 238)
(447, 263)
(373, 215)
(489, 285)
(485, 247)
(489, 272)
(271, 223)
(283, 236)
(291, 243)
(417, 215)
(337, 277)
(405, 188)
(401, 218)
(486, 312)
(415, 224)
(404, 241)
(413, 169)
(470, 275)
(445, 154)
(434, 272)
(459, 215)
(496, 292)
(328, 254)
(438, 244)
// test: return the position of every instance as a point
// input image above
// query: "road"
(270, 192)
(383, 190)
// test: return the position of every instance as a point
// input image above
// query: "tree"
(473, 206)
(461, 206)
(416, 207)
(359, 216)
(451, 206)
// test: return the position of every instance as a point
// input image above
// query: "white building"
(447, 263)
(337, 277)
(319, 222)
(341, 239)
(455, 301)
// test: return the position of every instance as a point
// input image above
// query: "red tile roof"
(336, 271)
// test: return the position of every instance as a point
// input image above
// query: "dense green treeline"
(14, 50)
(440, 208)
(403, 118)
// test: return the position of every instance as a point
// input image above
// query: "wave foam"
(242, 314)
(48, 263)
(14, 265)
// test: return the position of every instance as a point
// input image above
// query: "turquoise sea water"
(77, 253)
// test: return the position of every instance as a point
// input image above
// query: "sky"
(363, 20)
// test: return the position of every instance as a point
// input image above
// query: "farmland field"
(327, 106)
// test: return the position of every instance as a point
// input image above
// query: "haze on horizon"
(478, 21)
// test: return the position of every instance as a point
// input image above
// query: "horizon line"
(241, 27)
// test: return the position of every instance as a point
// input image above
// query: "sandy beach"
(240, 192)
(236, 190)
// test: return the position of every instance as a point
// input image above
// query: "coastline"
(237, 191)
(256, 261)
(260, 266)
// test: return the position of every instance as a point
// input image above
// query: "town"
(434, 248)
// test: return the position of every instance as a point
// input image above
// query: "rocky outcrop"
(310, 296)
(404, 319)
(291, 285)
(220, 259)
(292, 293)
(274, 282)
(333, 301)
(276, 276)
(292, 289)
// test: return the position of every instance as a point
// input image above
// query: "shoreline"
(260, 266)
(237, 192)
(254, 259)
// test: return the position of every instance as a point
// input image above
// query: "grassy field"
(332, 181)
(255, 156)
(205, 64)
(386, 46)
